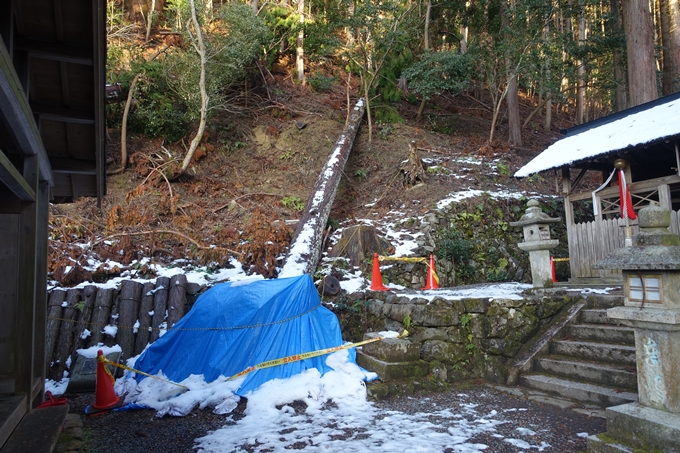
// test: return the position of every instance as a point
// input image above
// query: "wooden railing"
(589, 242)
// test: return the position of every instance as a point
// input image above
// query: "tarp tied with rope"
(233, 326)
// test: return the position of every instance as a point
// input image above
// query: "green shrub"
(321, 83)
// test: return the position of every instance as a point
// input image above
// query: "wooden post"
(110, 340)
(100, 314)
(145, 306)
(40, 314)
(305, 247)
(177, 298)
(66, 335)
(128, 309)
(84, 317)
(54, 310)
(27, 286)
(569, 221)
(160, 303)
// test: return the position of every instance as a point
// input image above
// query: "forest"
(201, 58)
(221, 114)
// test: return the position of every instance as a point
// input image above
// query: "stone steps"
(603, 301)
(602, 333)
(575, 390)
(640, 428)
(611, 353)
(38, 431)
(591, 360)
(596, 316)
(594, 372)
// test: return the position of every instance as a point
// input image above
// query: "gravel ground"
(524, 422)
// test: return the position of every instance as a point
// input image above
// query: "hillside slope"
(255, 172)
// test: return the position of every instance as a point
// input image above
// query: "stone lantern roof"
(654, 247)
(534, 215)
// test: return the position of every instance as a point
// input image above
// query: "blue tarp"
(233, 326)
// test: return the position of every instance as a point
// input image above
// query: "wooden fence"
(589, 242)
(131, 317)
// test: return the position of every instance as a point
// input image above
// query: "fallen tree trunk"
(305, 247)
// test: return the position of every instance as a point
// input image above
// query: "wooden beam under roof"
(17, 114)
(14, 181)
(73, 166)
(61, 114)
(54, 51)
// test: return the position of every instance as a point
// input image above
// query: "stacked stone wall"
(484, 224)
(468, 338)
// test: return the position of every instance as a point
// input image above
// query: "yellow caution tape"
(558, 260)
(307, 355)
(103, 359)
(435, 276)
(259, 366)
(402, 258)
(411, 260)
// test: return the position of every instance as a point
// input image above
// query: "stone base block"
(392, 371)
(632, 427)
(391, 350)
(601, 443)
(84, 373)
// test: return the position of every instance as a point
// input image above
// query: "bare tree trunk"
(619, 76)
(254, 4)
(199, 47)
(126, 111)
(305, 247)
(581, 71)
(637, 24)
(464, 33)
(514, 117)
(670, 36)
(149, 19)
(282, 45)
(547, 119)
(674, 42)
(666, 66)
(299, 50)
(123, 126)
(427, 47)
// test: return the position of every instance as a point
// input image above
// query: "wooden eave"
(20, 131)
(59, 51)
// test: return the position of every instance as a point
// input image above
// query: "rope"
(253, 326)
(596, 205)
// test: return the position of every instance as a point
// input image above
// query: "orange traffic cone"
(376, 278)
(105, 397)
(432, 279)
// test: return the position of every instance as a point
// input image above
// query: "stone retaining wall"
(496, 247)
(469, 338)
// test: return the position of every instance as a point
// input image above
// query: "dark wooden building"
(52, 94)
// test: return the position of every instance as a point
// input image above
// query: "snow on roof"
(634, 127)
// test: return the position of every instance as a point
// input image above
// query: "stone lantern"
(536, 226)
(651, 283)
